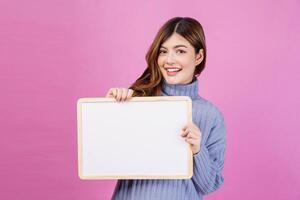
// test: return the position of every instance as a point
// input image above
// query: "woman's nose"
(170, 58)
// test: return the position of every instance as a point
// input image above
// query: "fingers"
(185, 132)
(120, 94)
(130, 93)
(109, 93)
(126, 94)
(189, 125)
(114, 92)
(189, 134)
(188, 129)
(192, 141)
(192, 136)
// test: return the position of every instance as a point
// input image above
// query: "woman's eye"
(161, 52)
(180, 51)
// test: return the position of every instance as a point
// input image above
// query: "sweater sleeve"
(209, 161)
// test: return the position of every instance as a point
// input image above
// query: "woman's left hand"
(192, 135)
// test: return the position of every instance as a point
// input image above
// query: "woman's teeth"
(173, 70)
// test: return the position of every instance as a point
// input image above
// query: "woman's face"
(177, 60)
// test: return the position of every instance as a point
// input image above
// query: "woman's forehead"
(175, 41)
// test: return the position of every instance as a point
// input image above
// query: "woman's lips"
(172, 72)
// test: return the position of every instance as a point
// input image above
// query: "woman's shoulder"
(206, 106)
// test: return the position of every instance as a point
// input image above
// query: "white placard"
(137, 139)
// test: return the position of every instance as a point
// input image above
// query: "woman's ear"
(199, 56)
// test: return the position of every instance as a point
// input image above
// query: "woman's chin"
(171, 80)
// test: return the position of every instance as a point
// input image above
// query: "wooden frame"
(99, 143)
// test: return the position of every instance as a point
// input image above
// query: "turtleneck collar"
(190, 89)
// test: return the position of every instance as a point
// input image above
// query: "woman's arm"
(209, 161)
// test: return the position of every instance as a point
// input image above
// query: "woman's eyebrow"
(177, 46)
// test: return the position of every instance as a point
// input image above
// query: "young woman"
(175, 59)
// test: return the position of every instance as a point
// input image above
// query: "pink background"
(54, 52)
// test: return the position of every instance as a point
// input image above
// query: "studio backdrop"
(54, 52)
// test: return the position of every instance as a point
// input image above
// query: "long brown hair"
(150, 82)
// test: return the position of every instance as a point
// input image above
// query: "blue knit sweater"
(208, 163)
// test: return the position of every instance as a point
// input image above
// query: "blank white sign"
(137, 139)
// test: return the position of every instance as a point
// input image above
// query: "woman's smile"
(172, 71)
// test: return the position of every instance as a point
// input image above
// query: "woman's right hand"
(120, 94)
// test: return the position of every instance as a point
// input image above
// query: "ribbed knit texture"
(208, 163)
